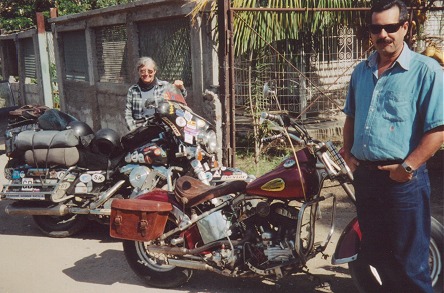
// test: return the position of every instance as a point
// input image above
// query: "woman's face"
(147, 73)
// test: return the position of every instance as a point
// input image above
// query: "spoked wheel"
(61, 226)
(152, 268)
(366, 278)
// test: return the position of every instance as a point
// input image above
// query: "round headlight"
(211, 141)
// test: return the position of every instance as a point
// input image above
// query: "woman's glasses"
(389, 28)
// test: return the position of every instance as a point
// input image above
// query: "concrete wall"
(101, 104)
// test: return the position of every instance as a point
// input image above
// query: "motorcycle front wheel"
(150, 269)
(366, 278)
(61, 226)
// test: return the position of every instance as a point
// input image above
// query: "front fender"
(348, 244)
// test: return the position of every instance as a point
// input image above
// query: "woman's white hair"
(146, 61)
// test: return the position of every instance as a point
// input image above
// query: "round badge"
(81, 188)
(85, 178)
(181, 122)
(289, 163)
(98, 178)
(64, 185)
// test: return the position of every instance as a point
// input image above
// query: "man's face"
(147, 73)
(388, 43)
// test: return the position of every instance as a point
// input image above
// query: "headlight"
(208, 139)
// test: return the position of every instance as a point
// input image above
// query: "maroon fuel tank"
(284, 182)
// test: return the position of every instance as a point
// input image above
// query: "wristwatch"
(407, 168)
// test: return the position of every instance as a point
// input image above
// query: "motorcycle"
(63, 174)
(265, 228)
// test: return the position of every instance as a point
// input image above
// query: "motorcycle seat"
(191, 191)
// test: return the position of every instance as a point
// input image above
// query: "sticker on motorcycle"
(98, 178)
(181, 122)
(172, 126)
(277, 184)
(27, 184)
(81, 188)
(85, 178)
(188, 116)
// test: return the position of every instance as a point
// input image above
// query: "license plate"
(25, 196)
(27, 184)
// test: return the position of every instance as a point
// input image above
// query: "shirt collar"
(403, 59)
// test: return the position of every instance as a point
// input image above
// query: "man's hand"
(351, 161)
(397, 173)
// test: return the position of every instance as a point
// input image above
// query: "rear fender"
(348, 244)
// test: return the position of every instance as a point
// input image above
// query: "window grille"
(168, 43)
(111, 53)
(29, 58)
(76, 62)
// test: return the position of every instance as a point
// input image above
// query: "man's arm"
(429, 144)
(348, 137)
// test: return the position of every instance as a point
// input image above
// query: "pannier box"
(137, 219)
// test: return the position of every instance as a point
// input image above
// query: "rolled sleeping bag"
(29, 139)
(55, 156)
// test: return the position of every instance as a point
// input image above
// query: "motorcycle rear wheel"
(366, 278)
(152, 272)
(61, 226)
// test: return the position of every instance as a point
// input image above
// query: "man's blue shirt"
(392, 113)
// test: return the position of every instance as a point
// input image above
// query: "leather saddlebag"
(137, 219)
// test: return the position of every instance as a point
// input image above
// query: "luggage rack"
(27, 194)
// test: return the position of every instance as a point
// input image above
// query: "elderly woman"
(147, 91)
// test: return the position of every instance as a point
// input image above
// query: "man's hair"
(145, 61)
(383, 5)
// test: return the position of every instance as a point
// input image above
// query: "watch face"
(407, 168)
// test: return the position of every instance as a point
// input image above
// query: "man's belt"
(373, 165)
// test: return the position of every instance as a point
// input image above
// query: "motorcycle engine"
(276, 224)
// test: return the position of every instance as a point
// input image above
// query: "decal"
(209, 176)
(89, 186)
(53, 174)
(37, 172)
(80, 188)
(233, 177)
(59, 193)
(216, 173)
(141, 158)
(98, 178)
(289, 163)
(201, 123)
(50, 181)
(188, 138)
(70, 178)
(205, 166)
(16, 174)
(180, 112)
(85, 178)
(134, 156)
(128, 158)
(60, 174)
(188, 116)
(27, 184)
(192, 125)
(181, 122)
(64, 185)
(22, 174)
(277, 184)
(172, 126)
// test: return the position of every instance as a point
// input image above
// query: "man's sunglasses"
(389, 28)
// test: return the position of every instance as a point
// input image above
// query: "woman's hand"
(179, 84)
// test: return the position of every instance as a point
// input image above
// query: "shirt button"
(365, 145)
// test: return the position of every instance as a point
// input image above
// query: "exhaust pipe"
(15, 209)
